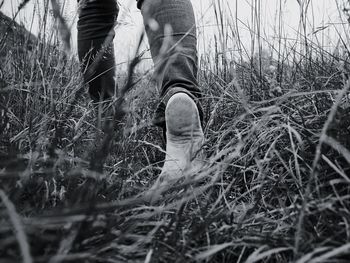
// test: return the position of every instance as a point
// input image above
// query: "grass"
(275, 187)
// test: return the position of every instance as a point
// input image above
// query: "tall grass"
(274, 186)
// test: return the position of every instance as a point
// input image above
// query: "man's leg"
(96, 54)
(95, 48)
(171, 31)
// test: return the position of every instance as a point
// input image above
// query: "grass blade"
(18, 228)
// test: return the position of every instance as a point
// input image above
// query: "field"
(275, 185)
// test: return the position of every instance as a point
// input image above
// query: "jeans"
(171, 30)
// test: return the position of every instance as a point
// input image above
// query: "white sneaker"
(184, 137)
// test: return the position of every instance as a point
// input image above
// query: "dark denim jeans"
(171, 31)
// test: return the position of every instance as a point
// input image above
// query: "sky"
(321, 14)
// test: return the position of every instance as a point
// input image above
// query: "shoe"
(184, 141)
(184, 137)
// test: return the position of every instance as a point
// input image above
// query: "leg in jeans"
(171, 31)
(175, 59)
(95, 48)
(96, 54)
(174, 53)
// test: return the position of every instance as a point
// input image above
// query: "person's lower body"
(95, 46)
(171, 31)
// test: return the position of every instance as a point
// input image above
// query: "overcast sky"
(321, 13)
